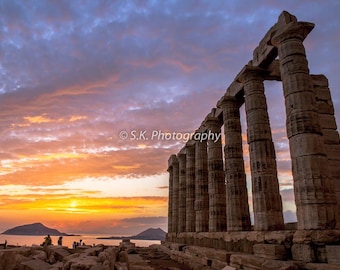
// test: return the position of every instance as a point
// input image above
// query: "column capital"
(181, 152)
(213, 123)
(293, 30)
(190, 144)
(224, 100)
(250, 72)
(172, 161)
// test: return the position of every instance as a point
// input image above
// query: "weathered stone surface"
(108, 257)
(270, 251)
(244, 260)
(266, 197)
(173, 166)
(170, 199)
(237, 208)
(190, 188)
(176, 246)
(321, 266)
(58, 253)
(303, 252)
(265, 53)
(201, 190)
(128, 246)
(59, 266)
(12, 258)
(39, 255)
(182, 191)
(218, 264)
(93, 251)
(216, 179)
(316, 236)
(303, 119)
(333, 254)
(34, 265)
(279, 265)
(279, 237)
(81, 263)
(212, 253)
(121, 266)
(228, 267)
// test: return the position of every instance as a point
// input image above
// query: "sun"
(73, 206)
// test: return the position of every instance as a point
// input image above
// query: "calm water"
(29, 240)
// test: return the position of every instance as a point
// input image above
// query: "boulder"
(81, 263)
(121, 266)
(56, 266)
(127, 245)
(58, 253)
(39, 255)
(34, 265)
(12, 258)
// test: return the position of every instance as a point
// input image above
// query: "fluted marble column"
(267, 201)
(216, 186)
(182, 192)
(190, 187)
(175, 192)
(313, 187)
(170, 170)
(201, 188)
(238, 218)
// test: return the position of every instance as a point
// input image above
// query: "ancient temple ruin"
(209, 221)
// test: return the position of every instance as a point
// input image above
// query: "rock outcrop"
(99, 257)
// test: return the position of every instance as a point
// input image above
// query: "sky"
(80, 81)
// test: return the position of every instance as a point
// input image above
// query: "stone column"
(175, 194)
(201, 188)
(313, 185)
(238, 218)
(190, 187)
(330, 136)
(170, 201)
(182, 191)
(216, 185)
(267, 201)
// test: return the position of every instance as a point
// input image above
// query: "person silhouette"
(60, 241)
(47, 241)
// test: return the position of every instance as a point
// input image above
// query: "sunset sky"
(75, 74)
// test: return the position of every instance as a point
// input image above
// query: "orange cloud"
(74, 118)
(38, 119)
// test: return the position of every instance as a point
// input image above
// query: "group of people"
(48, 242)
(77, 244)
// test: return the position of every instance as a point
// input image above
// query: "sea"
(88, 239)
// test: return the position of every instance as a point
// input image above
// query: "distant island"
(34, 229)
(149, 234)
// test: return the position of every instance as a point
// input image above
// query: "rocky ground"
(125, 257)
(145, 258)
